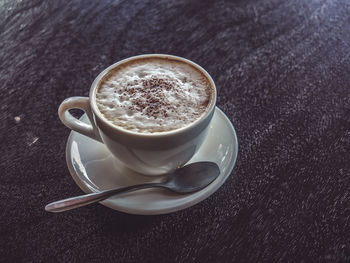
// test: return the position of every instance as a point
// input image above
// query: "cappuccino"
(152, 95)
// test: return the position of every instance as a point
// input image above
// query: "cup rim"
(118, 129)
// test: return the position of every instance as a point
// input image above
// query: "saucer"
(94, 169)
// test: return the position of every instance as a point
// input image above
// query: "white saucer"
(94, 169)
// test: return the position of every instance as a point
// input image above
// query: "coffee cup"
(149, 152)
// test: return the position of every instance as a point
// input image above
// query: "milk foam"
(153, 95)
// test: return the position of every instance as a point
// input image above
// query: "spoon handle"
(82, 200)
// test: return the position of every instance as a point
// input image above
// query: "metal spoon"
(187, 179)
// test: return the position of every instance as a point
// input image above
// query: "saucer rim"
(111, 204)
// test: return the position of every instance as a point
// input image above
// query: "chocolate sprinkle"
(151, 98)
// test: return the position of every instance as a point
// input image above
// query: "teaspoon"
(187, 179)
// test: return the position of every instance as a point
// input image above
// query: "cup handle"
(75, 124)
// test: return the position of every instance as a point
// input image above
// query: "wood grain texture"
(282, 70)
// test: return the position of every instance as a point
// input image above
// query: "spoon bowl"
(192, 177)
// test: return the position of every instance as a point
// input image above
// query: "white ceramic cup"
(146, 153)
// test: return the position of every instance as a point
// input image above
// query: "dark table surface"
(282, 70)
